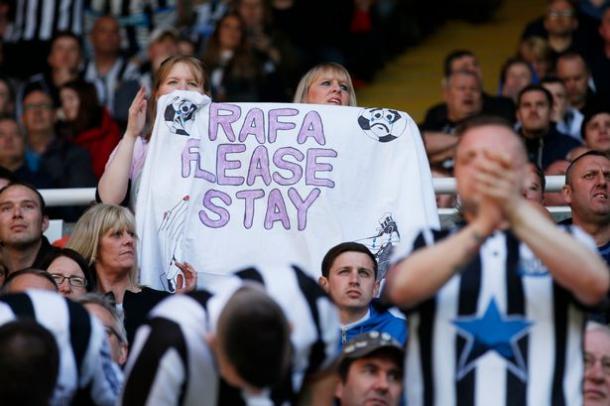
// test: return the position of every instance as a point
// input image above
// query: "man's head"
(573, 71)
(163, 43)
(106, 36)
(22, 216)
(252, 340)
(12, 143)
(101, 308)
(29, 278)
(29, 363)
(349, 276)
(463, 93)
(478, 137)
(587, 188)
(371, 370)
(597, 365)
(560, 97)
(65, 51)
(560, 18)
(534, 106)
(595, 130)
(38, 112)
(461, 60)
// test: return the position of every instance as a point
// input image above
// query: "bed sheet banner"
(229, 185)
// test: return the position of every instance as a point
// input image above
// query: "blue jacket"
(380, 320)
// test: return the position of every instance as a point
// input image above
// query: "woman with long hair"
(120, 181)
(87, 123)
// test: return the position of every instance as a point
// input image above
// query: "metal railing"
(84, 196)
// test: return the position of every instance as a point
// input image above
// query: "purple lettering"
(221, 212)
(302, 205)
(223, 120)
(249, 196)
(276, 210)
(223, 164)
(190, 154)
(294, 168)
(312, 127)
(312, 166)
(259, 166)
(275, 125)
(254, 123)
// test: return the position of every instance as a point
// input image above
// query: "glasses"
(561, 14)
(591, 360)
(74, 281)
(38, 106)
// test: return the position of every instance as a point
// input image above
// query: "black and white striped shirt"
(41, 19)
(86, 369)
(137, 18)
(171, 363)
(501, 332)
(107, 85)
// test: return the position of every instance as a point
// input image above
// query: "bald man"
(493, 302)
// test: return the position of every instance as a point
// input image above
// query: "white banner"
(229, 185)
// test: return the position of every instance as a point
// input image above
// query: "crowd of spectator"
(79, 81)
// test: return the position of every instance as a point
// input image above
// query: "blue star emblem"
(492, 332)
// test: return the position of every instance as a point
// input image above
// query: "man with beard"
(543, 142)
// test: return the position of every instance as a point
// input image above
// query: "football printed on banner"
(179, 115)
(383, 125)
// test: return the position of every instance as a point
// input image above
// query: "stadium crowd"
(504, 307)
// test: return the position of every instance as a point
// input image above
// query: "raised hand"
(136, 120)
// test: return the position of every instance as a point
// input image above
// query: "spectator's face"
(69, 103)
(65, 268)
(106, 35)
(597, 368)
(351, 281)
(588, 191)
(38, 112)
(560, 18)
(468, 63)
(604, 28)
(166, 46)
(12, 144)
(555, 169)
(230, 33)
(329, 88)
(252, 12)
(471, 153)
(597, 132)
(463, 96)
(111, 325)
(117, 252)
(573, 73)
(532, 188)
(534, 112)
(180, 77)
(518, 75)
(30, 281)
(21, 219)
(372, 380)
(560, 100)
(65, 54)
